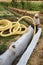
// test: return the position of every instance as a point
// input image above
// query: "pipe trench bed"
(17, 48)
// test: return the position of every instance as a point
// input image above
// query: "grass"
(6, 39)
(3, 48)
(3, 43)
(36, 6)
(33, 6)
(5, 13)
(2, 8)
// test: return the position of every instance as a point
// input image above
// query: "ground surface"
(37, 55)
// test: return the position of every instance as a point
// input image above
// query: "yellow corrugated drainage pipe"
(8, 28)
(30, 19)
(5, 24)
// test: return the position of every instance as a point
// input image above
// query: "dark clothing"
(32, 26)
(36, 27)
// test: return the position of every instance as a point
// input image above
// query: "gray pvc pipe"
(28, 52)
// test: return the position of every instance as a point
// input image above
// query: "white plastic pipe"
(16, 48)
(28, 52)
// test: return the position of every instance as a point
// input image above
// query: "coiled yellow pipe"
(5, 24)
(30, 19)
(14, 28)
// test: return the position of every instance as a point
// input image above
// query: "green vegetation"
(5, 13)
(3, 48)
(25, 5)
(29, 5)
(3, 43)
